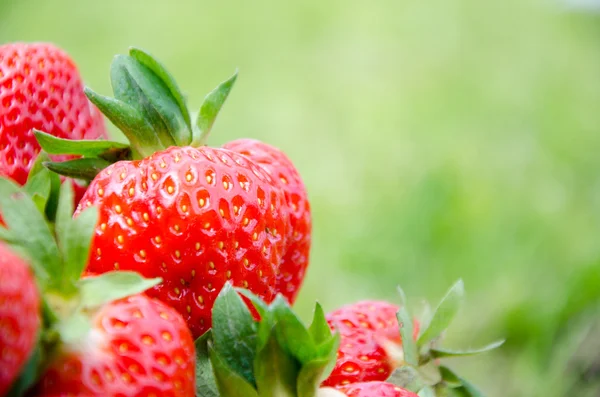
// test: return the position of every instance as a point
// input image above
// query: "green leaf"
(328, 351)
(28, 375)
(275, 370)
(405, 321)
(151, 63)
(230, 384)
(319, 328)
(51, 201)
(74, 236)
(259, 304)
(210, 108)
(467, 389)
(311, 375)
(86, 148)
(444, 314)
(234, 332)
(84, 168)
(38, 187)
(130, 121)
(206, 386)
(107, 287)
(73, 328)
(407, 377)
(29, 229)
(449, 377)
(266, 317)
(441, 352)
(426, 392)
(291, 333)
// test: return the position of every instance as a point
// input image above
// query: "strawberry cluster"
(175, 273)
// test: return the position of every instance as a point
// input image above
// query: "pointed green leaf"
(29, 229)
(327, 357)
(230, 384)
(319, 328)
(441, 352)
(210, 109)
(275, 370)
(426, 392)
(151, 63)
(107, 287)
(84, 168)
(266, 317)
(234, 332)
(259, 304)
(444, 314)
(311, 375)
(39, 185)
(291, 333)
(467, 389)
(138, 131)
(409, 347)
(51, 201)
(206, 385)
(449, 377)
(86, 148)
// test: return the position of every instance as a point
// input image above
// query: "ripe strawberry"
(279, 166)
(137, 346)
(375, 389)
(196, 217)
(19, 316)
(193, 215)
(40, 88)
(365, 327)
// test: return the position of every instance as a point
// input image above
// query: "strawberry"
(136, 346)
(40, 89)
(102, 336)
(375, 389)
(194, 215)
(19, 316)
(366, 327)
(279, 166)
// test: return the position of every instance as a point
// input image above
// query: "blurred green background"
(438, 140)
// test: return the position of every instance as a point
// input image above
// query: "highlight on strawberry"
(171, 207)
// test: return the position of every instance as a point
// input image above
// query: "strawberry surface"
(40, 88)
(277, 164)
(137, 346)
(375, 389)
(365, 327)
(196, 217)
(19, 316)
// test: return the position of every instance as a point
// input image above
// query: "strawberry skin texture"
(280, 167)
(40, 88)
(19, 316)
(363, 327)
(196, 217)
(137, 346)
(375, 389)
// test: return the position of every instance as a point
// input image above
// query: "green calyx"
(418, 366)
(275, 357)
(150, 110)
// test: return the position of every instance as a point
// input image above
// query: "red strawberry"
(137, 346)
(375, 389)
(196, 218)
(364, 328)
(279, 166)
(193, 215)
(40, 88)
(19, 316)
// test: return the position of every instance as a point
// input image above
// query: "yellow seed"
(255, 236)
(246, 261)
(164, 315)
(245, 221)
(176, 290)
(228, 273)
(380, 370)
(220, 244)
(182, 281)
(226, 185)
(116, 265)
(103, 227)
(208, 178)
(98, 251)
(166, 336)
(260, 273)
(236, 244)
(100, 192)
(130, 221)
(126, 377)
(123, 347)
(144, 186)
(118, 209)
(188, 177)
(209, 285)
(137, 314)
(162, 361)
(177, 228)
(197, 246)
(283, 180)
(120, 239)
(211, 265)
(146, 216)
(154, 176)
(131, 192)
(193, 273)
(177, 158)
(236, 209)
(142, 253)
(123, 175)
(188, 309)
(147, 340)
(163, 164)
(183, 207)
(200, 299)
(157, 239)
(164, 265)
(264, 249)
(245, 284)
(170, 189)
(177, 254)
(201, 202)
(221, 212)
(206, 225)
(364, 358)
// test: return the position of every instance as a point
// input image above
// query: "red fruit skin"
(375, 389)
(295, 261)
(19, 316)
(137, 346)
(40, 88)
(197, 217)
(364, 327)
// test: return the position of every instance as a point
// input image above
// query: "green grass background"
(438, 139)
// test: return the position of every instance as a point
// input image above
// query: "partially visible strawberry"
(365, 327)
(375, 389)
(40, 88)
(19, 316)
(279, 166)
(137, 346)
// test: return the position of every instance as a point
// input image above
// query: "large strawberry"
(375, 389)
(366, 329)
(102, 337)
(40, 88)
(194, 215)
(20, 316)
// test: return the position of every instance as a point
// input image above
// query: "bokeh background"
(438, 139)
